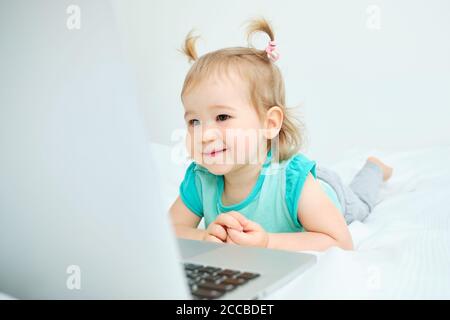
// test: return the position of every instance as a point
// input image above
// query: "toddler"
(247, 179)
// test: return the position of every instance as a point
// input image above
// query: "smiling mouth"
(214, 153)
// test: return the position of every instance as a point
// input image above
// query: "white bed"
(402, 250)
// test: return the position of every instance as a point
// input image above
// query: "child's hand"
(217, 230)
(252, 235)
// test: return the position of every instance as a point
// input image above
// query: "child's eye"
(194, 122)
(223, 117)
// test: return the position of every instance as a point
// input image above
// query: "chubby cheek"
(245, 146)
(191, 146)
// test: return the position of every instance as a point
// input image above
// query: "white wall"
(359, 87)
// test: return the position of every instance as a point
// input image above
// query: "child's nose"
(210, 133)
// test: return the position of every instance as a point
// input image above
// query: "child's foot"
(387, 171)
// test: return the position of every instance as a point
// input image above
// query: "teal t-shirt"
(272, 203)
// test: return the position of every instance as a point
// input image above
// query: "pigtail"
(259, 25)
(189, 46)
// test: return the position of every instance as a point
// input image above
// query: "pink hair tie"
(272, 53)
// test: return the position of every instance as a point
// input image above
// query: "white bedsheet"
(402, 250)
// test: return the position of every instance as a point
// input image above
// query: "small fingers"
(243, 221)
(229, 240)
(238, 237)
(212, 238)
(218, 231)
(228, 221)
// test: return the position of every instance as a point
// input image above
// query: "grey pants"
(360, 197)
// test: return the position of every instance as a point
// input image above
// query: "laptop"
(80, 204)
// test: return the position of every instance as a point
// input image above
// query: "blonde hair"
(266, 85)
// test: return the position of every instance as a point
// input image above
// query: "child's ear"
(273, 122)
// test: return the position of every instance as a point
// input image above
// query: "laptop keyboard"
(206, 282)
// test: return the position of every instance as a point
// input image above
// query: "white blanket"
(402, 250)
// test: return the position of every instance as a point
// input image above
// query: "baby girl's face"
(224, 130)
